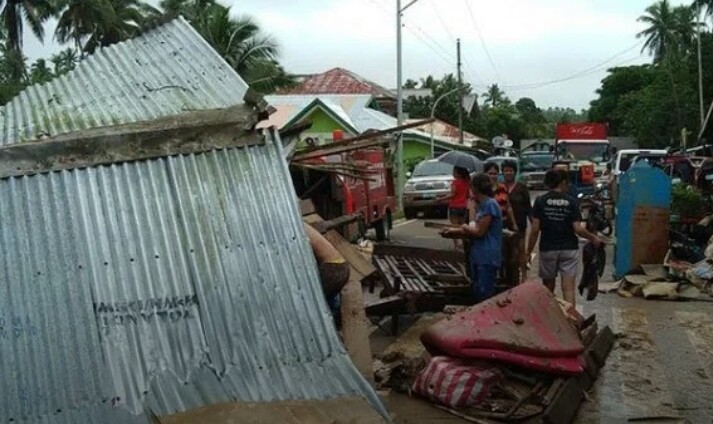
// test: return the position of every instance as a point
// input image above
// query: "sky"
(553, 51)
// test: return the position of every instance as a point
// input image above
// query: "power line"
(428, 44)
(579, 74)
(589, 72)
(482, 40)
(443, 23)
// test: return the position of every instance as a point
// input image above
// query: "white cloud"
(529, 40)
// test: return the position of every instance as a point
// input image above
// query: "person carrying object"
(485, 232)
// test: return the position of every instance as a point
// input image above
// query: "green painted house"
(354, 114)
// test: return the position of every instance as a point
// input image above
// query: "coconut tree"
(123, 19)
(78, 19)
(16, 13)
(669, 30)
(243, 45)
(494, 96)
(65, 61)
(40, 73)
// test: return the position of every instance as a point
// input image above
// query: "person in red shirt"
(458, 200)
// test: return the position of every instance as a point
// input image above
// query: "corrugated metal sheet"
(167, 71)
(153, 287)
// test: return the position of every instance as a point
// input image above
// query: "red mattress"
(524, 326)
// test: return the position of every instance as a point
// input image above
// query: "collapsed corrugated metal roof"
(145, 287)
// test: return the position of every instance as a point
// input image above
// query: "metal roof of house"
(340, 81)
(165, 72)
(150, 287)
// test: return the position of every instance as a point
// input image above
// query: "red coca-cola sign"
(582, 131)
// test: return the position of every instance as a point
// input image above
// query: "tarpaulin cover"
(514, 326)
(456, 383)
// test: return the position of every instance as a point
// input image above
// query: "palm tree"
(241, 43)
(171, 9)
(65, 61)
(494, 96)
(123, 20)
(14, 15)
(659, 33)
(40, 73)
(669, 29)
(78, 19)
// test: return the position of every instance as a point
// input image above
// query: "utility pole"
(460, 98)
(700, 65)
(400, 104)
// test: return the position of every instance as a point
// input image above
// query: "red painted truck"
(585, 147)
(339, 195)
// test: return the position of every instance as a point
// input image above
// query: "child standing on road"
(458, 201)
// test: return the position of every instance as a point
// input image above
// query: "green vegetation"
(497, 115)
(656, 102)
(687, 201)
(87, 25)
(653, 103)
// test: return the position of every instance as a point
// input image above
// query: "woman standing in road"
(458, 201)
(486, 233)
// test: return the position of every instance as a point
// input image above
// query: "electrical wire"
(433, 47)
(570, 78)
(482, 40)
(583, 73)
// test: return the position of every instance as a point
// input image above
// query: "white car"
(624, 158)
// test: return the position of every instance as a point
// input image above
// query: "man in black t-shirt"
(556, 215)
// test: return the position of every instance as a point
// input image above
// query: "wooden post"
(355, 331)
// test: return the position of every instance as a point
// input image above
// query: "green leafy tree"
(494, 96)
(122, 20)
(12, 73)
(40, 73)
(78, 19)
(239, 40)
(532, 119)
(669, 30)
(90, 24)
(16, 13)
(618, 83)
(65, 61)
(410, 84)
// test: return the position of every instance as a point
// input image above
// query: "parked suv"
(427, 188)
(533, 166)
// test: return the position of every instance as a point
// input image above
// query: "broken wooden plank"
(566, 404)
(357, 261)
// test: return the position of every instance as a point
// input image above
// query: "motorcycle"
(594, 211)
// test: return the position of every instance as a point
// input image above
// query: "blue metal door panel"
(641, 185)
